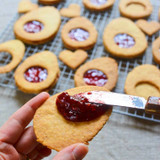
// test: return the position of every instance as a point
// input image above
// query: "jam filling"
(95, 77)
(124, 40)
(98, 2)
(79, 34)
(35, 74)
(77, 108)
(33, 27)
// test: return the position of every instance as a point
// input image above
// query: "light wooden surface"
(122, 138)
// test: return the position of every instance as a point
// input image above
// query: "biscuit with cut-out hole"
(37, 73)
(38, 26)
(55, 132)
(26, 6)
(73, 59)
(156, 50)
(98, 5)
(17, 49)
(135, 9)
(73, 10)
(143, 81)
(101, 72)
(48, 2)
(122, 38)
(79, 33)
(148, 27)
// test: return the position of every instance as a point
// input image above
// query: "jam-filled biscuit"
(122, 38)
(143, 81)
(38, 26)
(55, 132)
(26, 6)
(156, 50)
(101, 72)
(135, 9)
(79, 33)
(74, 10)
(98, 5)
(73, 59)
(148, 27)
(37, 73)
(17, 49)
(47, 2)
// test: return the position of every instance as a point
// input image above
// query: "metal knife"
(152, 105)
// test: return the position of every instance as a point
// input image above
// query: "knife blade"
(152, 105)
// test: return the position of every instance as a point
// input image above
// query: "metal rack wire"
(100, 20)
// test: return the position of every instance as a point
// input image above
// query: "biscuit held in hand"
(17, 49)
(26, 6)
(148, 27)
(74, 10)
(37, 73)
(55, 132)
(73, 59)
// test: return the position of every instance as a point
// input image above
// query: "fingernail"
(80, 151)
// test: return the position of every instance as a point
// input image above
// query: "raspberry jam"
(79, 34)
(124, 40)
(95, 77)
(33, 27)
(98, 2)
(77, 108)
(35, 74)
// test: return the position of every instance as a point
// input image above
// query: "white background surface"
(122, 138)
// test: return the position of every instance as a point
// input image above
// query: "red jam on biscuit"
(98, 2)
(35, 74)
(77, 108)
(95, 77)
(79, 34)
(33, 27)
(124, 40)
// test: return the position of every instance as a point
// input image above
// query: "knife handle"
(153, 105)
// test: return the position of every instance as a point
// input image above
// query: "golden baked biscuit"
(73, 59)
(73, 10)
(156, 50)
(26, 6)
(47, 2)
(38, 26)
(17, 49)
(55, 132)
(37, 73)
(98, 5)
(79, 33)
(122, 38)
(102, 72)
(148, 27)
(143, 81)
(135, 9)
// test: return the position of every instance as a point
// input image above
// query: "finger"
(74, 152)
(13, 128)
(27, 141)
(39, 152)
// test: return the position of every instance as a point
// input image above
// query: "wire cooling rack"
(100, 20)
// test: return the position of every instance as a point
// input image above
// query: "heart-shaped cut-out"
(74, 10)
(26, 6)
(73, 59)
(148, 27)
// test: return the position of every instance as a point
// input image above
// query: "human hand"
(18, 142)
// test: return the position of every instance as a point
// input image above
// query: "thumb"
(73, 152)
